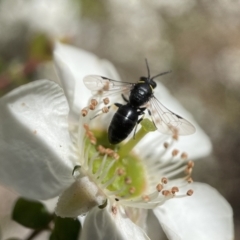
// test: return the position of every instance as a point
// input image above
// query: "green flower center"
(116, 166)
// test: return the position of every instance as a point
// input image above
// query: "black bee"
(141, 97)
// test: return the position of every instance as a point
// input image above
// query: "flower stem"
(147, 126)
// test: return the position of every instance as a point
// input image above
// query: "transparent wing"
(166, 121)
(105, 87)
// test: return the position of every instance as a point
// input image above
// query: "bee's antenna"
(160, 74)
(147, 68)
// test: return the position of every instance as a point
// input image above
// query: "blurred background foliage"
(198, 40)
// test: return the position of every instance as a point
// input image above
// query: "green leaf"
(31, 214)
(65, 229)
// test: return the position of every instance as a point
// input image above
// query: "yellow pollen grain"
(190, 192)
(164, 180)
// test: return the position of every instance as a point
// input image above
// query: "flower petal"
(34, 140)
(205, 215)
(72, 65)
(103, 224)
(79, 198)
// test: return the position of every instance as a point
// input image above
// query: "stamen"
(175, 152)
(94, 102)
(84, 112)
(184, 156)
(190, 192)
(106, 101)
(159, 187)
(164, 180)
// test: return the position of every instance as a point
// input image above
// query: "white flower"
(38, 156)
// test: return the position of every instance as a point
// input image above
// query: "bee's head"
(149, 79)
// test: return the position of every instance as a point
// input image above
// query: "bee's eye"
(153, 84)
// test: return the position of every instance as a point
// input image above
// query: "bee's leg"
(139, 120)
(150, 114)
(124, 98)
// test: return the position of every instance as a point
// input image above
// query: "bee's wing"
(166, 121)
(105, 87)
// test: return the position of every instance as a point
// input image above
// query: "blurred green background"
(198, 40)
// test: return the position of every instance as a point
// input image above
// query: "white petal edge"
(35, 146)
(72, 65)
(102, 224)
(206, 215)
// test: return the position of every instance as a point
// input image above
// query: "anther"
(105, 109)
(101, 149)
(190, 164)
(164, 180)
(86, 127)
(128, 180)
(91, 107)
(190, 192)
(132, 190)
(184, 156)
(175, 152)
(106, 87)
(166, 193)
(84, 112)
(190, 180)
(120, 171)
(188, 170)
(106, 101)
(159, 187)
(174, 190)
(145, 198)
(94, 102)
(114, 210)
(115, 156)
(166, 145)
